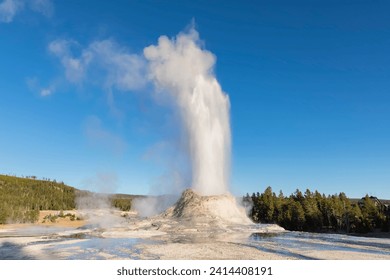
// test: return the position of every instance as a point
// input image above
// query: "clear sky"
(308, 81)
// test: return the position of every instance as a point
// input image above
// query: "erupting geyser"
(185, 70)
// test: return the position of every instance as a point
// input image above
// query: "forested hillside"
(21, 199)
(312, 211)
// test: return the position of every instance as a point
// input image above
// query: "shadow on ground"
(13, 251)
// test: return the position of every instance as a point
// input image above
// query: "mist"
(96, 206)
(183, 70)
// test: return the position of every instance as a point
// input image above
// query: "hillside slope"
(22, 198)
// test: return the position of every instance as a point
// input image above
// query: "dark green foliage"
(372, 217)
(22, 198)
(53, 218)
(315, 212)
(123, 204)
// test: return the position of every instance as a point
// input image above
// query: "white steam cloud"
(44, 7)
(122, 70)
(96, 207)
(75, 68)
(10, 8)
(34, 85)
(183, 69)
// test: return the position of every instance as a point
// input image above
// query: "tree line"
(21, 199)
(312, 211)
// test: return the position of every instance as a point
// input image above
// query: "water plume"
(183, 69)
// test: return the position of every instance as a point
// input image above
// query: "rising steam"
(184, 70)
(180, 68)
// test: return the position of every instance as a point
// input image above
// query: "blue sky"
(308, 81)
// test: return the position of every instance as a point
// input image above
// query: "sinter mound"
(215, 208)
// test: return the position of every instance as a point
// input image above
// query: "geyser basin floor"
(193, 245)
(136, 238)
(195, 227)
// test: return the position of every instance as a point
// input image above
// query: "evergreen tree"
(315, 212)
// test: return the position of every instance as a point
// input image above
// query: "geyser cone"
(197, 208)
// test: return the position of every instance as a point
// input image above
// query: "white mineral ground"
(196, 227)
